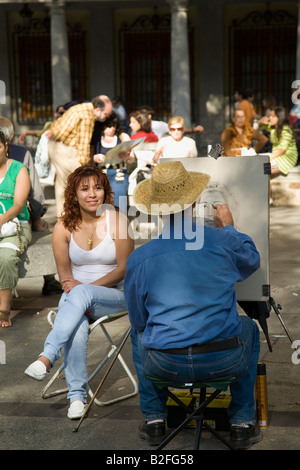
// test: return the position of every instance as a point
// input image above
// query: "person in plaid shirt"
(70, 137)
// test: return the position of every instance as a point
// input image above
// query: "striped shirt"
(75, 129)
(286, 141)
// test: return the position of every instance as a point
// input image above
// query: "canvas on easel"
(244, 181)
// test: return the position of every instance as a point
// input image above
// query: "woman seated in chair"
(14, 190)
(239, 135)
(176, 145)
(116, 172)
(140, 125)
(91, 246)
(284, 149)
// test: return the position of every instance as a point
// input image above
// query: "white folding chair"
(112, 350)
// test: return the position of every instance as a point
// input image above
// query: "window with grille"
(32, 73)
(263, 55)
(145, 61)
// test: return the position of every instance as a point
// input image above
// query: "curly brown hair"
(71, 216)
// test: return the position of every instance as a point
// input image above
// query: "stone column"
(180, 65)
(60, 62)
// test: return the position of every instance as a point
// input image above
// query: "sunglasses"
(179, 129)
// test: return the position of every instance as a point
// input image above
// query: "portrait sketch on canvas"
(243, 184)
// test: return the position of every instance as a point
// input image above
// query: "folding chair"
(111, 351)
(196, 413)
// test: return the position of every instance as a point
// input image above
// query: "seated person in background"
(284, 149)
(182, 307)
(14, 190)
(161, 128)
(294, 117)
(91, 251)
(113, 121)
(140, 125)
(36, 198)
(247, 105)
(117, 173)
(239, 135)
(176, 145)
(112, 135)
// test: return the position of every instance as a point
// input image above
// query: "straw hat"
(170, 189)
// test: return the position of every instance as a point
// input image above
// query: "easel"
(276, 309)
(260, 311)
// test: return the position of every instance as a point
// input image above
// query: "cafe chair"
(112, 350)
(194, 413)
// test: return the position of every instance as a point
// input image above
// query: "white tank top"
(87, 266)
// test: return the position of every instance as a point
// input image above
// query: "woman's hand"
(89, 313)
(158, 153)
(68, 284)
(264, 120)
(1, 222)
(22, 138)
(276, 154)
(99, 158)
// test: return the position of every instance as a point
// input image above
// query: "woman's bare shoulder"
(118, 223)
(61, 230)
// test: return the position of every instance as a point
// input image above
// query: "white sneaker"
(77, 409)
(37, 370)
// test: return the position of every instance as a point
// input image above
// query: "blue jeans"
(240, 362)
(71, 329)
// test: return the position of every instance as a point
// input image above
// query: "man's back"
(75, 129)
(187, 296)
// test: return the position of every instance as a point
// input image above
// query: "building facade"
(183, 57)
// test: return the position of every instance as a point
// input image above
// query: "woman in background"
(176, 145)
(140, 125)
(113, 135)
(238, 135)
(14, 191)
(284, 150)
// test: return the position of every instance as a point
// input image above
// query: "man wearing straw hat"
(182, 303)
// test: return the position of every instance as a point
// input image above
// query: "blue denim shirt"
(179, 296)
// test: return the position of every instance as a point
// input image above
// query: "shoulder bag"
(11, 228)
